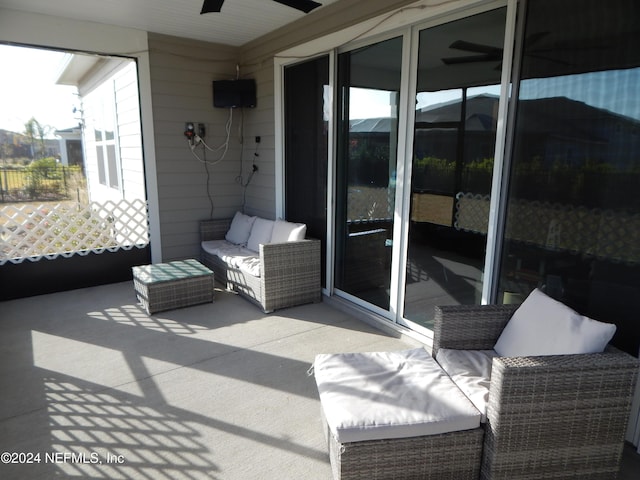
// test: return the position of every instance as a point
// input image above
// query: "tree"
(36, 131)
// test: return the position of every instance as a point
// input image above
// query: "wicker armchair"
(290, 272)
(548, 417)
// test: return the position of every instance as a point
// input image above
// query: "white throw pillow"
(260, 233)
(240, 229)
(544, 326)
(284, 231)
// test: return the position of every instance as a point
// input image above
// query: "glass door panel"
(369, 86)
(306, 122)
(573, 216)
(458, 91)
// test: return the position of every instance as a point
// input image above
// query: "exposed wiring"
(197, 140)
(206, 168)
(254, 169)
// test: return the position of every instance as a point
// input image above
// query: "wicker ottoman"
(165, 286)
(396, 415)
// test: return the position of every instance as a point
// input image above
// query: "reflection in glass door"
(369, 86)
(458, 91)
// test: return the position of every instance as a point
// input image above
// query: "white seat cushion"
(250, 265)
(381, 395)
(213, 246)
(471, 372)
(544, 326)
(234, 255)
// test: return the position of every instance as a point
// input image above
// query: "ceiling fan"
(484, 53)
(487, 53)
(303, 5)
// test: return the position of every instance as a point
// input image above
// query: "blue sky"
(614, 90)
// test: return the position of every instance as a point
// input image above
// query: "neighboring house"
(111, 132)
(70, 140)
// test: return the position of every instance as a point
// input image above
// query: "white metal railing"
(32, 232)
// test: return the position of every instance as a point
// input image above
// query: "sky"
(28, 89)
(612, 90)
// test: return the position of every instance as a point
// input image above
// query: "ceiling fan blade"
(211, 6)
(475, 47)
(303, 5)
(471, 59)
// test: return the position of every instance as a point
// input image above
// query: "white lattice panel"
(369, 203)
(47, 231)
(605, 234)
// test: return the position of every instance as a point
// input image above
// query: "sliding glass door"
(573, 209)
(458, 91)
(369, 85)
(306, 131)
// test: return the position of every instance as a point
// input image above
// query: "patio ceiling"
(239, 21)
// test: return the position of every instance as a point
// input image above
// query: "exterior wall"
(129, 134)
(182, 72)
(115, 82)
(261, 191)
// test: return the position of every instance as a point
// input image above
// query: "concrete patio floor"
(92, 387)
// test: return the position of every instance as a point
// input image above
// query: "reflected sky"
(613, 90)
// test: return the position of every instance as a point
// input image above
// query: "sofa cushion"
(284, 231)
(240, 229)
(379, 395)
(212, 246)
(544, 326)
(470, 370)
(235, 256)
(260, 233)
(250, 265)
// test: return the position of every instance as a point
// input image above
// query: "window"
(108, 161)
(573, 210)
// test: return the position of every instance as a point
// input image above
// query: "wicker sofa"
(547, 417)
(288, 273)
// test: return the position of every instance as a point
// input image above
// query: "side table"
(165, 286)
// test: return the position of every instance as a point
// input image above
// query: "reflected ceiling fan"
(303, 5)
(487, 53)
(483, 53)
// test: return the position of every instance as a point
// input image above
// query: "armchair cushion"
(470, 370)
(544, 326)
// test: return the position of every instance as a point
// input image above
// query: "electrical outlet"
(189, 130)
(258, 139)
(201, 130)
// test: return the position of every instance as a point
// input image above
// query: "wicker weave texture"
(448, 456)
(167, 295)
(469, 327)
(550, 417)
(290, 272)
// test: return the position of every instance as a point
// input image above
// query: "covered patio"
(217, 390)
(93, 387)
